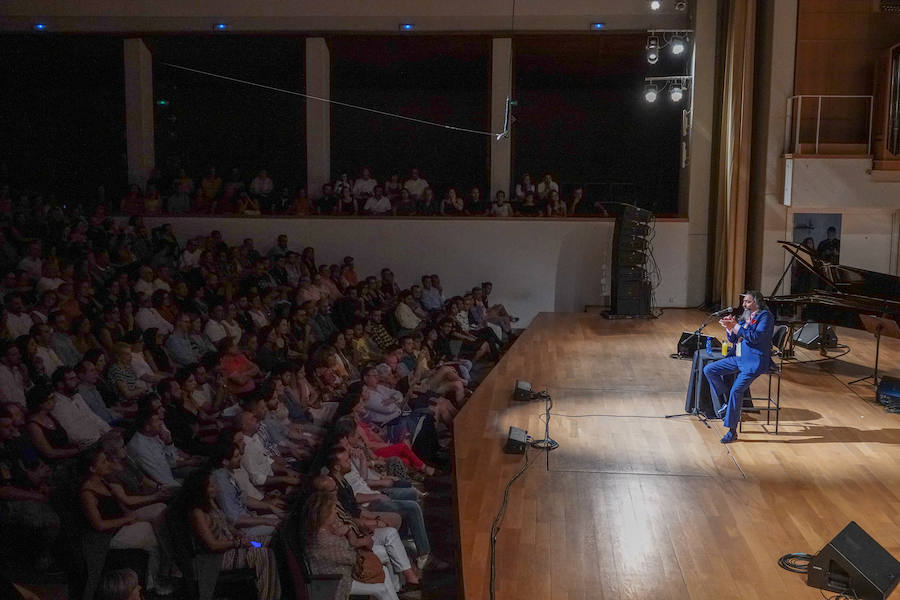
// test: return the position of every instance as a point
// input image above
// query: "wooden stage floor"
(634, 505)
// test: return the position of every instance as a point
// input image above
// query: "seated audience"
(212, 529)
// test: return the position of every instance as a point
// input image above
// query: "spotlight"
(651, 92)
(40, 26)
(220, 26)
(597, 26)
(652, 49)
(407, 26)
(655, 4)
(678, 45)
(676, 92)
(681, 6)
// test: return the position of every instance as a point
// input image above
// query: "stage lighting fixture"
(652, 49)
(220, 26)
(597, 26)
(40, 26)
(678, 45)
(681, 6)
(676, 92)
(651, 92)
(655, 4)
(407, 26)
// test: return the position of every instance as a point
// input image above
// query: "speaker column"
(630, 291)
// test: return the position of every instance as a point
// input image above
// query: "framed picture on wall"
(821, 233)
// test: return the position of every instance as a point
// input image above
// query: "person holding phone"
(217, 535)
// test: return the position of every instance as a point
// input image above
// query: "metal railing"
(792, 142)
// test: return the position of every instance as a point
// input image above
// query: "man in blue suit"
(749, 355)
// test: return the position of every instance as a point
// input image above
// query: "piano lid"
(845, 293)
(842, 278)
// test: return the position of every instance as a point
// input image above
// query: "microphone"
(723, 312)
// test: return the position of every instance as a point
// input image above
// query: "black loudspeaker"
(523, 391)
(855, 565)
(808, 337)
(631, 298)
(516, 441)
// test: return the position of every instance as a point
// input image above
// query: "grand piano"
(842, 293)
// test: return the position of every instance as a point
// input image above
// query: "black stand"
(877, 326)
(547, 443)
(695, 411)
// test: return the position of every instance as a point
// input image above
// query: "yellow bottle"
(725, 348)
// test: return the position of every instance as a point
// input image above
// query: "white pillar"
(318, 116)
(501, 150)
(139, 110)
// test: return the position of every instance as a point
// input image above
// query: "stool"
(772, 403)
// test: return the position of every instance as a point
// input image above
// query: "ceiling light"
(40, 26)
(676, 92)
(597, 26)
(220, 26)
(681, 6)
(407, 26)
(651, 92)
(678, 45)
(655, 4)
(652, 49)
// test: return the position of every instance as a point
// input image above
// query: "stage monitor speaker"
(855, 565)
(688, 343)
(516, 441)
(523, 391)
(808, 337)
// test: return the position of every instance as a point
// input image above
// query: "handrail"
(792, 143)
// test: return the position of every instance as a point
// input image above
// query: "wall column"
(318, 116)
(501, 150)
(769, 215)
(139, 110)
(700, 144)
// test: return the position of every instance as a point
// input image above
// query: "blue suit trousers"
(715, 374)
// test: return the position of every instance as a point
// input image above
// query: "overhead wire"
(339, 103)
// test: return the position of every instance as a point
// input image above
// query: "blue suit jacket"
(756, 343)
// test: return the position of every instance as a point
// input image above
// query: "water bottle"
(709, 345)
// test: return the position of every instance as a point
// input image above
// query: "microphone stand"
(696, 409)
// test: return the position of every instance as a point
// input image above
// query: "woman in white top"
(143, 369)
(500, 207)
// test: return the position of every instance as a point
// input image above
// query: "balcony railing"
(828, 125)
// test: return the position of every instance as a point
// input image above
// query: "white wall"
(535, 266)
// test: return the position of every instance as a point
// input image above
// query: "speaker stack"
(630, 281)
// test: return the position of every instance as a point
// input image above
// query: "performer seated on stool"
(749, 355)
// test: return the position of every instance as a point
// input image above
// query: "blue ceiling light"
(407, 27)
(221, 26)
(40, 26)
(597, 26)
